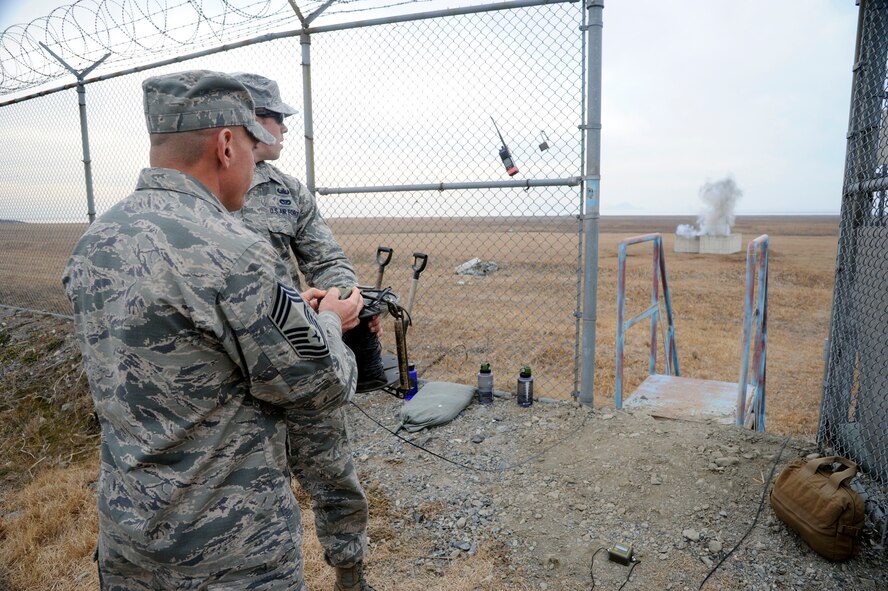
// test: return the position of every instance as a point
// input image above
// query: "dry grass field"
(525, 312)
(50, 546)
(522, 313)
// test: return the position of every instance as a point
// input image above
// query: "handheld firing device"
(504, 154)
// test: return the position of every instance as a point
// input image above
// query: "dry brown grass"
(46, 412)
(32, 258)
(48, 544)
(524, 313)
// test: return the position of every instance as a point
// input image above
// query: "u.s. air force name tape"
(301, 330)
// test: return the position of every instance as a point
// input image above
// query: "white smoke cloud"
(719, 199)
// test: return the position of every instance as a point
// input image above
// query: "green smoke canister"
(525, 387)
(485, 384)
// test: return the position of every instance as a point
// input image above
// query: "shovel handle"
(383, 258)
(419, 263)
(383, 250)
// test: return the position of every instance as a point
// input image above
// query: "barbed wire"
(135, 32)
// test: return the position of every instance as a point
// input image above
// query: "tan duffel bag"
(818, 504)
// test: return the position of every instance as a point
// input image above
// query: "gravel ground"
(541, 489)
(547, 486)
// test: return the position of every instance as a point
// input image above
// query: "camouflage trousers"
(320, 457)
(116, 573)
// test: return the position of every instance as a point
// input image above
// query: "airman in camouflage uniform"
(283, 210)
(196, 346)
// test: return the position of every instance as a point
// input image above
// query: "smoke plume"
(717, 217)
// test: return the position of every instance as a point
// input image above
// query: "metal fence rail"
(854, 410)
(404, 153)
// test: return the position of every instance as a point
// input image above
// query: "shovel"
(403, 321)
(419, 264)
(383, 258)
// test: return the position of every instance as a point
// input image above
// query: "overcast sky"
(697, 90)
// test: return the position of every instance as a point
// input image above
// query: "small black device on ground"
(620, 553)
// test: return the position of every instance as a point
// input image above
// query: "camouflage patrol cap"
(199, 99)
(265, 93)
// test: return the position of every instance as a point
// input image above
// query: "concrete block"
(721, 244)
(685, 244)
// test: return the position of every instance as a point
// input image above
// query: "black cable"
(592, 570)
(634, 564)
(468, 466)
(757, 515)
(592, 567)
(416, 445)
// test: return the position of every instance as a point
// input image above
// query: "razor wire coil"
(135, 31)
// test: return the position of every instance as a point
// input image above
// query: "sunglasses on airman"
(279, 117)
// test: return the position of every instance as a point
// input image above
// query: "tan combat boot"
(351, 578)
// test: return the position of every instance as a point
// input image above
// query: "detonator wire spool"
(368, 356)
(402, 321)
(365, 345)
(379, 301)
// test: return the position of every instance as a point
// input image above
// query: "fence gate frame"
(588, 180)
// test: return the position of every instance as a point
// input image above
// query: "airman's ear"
(225, 146)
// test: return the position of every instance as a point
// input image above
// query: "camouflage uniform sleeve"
(290, 356)
(318, 254)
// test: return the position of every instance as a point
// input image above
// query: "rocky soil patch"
(539, 490)
(551, 484)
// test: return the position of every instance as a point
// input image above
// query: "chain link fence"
(854, 411)
(406, 156)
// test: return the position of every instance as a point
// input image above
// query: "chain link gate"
(854, 409)
(406, 156)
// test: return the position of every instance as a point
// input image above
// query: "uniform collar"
(266, 172)
(170, 179)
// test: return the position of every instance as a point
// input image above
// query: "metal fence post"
(827, 383)
(591, 180)
(87, 160)
(305, 41)
(84, 129)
